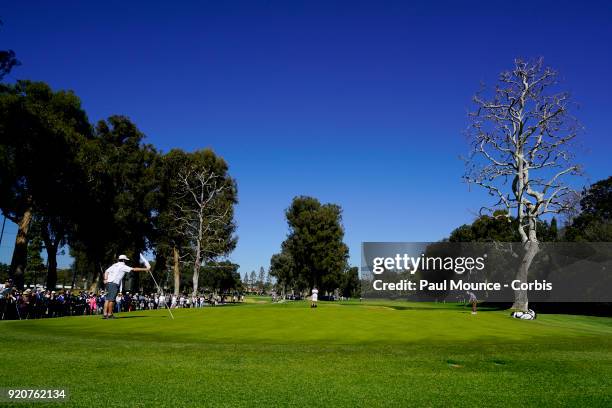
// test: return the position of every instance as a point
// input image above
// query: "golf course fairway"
(342, 354)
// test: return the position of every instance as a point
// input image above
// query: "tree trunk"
(521, 302)
(20, 252)
(159, 269)
(74, 276)
(196, 272)
(97, 282)
(51, 265)
(196, 266)
(196, 278)
(134, 282)
(177, 271)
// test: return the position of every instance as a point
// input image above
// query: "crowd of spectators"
(40, 303)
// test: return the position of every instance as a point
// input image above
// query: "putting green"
(340, 354)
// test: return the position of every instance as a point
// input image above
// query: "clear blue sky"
(358, 103)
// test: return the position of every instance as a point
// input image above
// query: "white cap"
(123, 258)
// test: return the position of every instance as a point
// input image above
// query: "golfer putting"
(112, 279)
(474, 301)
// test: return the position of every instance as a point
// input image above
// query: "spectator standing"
(314, 297)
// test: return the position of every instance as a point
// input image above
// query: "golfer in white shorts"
(314, 297)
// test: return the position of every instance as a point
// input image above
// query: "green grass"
(341, 354)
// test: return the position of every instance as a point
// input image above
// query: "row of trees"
(103, 191)
(314, 254)
(260, 282)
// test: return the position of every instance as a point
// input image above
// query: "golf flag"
(144, 261)
(148, 265)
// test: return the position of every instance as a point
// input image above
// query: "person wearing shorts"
(473, 301)
(112, 278)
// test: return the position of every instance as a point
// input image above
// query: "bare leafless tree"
(204, 215)
(521, 136)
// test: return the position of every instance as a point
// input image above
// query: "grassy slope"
(290, 355)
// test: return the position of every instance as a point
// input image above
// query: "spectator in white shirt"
(314, 297)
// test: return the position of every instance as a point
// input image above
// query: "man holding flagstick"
(112, 278)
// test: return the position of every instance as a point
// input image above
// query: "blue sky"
(358, 103)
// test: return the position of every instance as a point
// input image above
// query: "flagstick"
(146, 263)
(160, 291)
